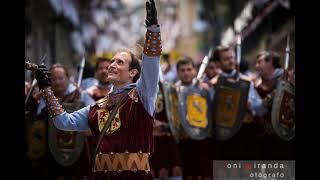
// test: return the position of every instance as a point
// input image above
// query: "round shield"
(283, 111)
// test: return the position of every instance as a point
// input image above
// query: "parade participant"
(62, 86)
(270, 71)
(71, 97)
(225, 60)
(125, 146)
(196, 154)
(168, 68)
(212, 70)
(211, 76)
(243, 141)
(101, 90)
(165, 162)
(269, 68)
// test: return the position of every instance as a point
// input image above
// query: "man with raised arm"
(126, 146)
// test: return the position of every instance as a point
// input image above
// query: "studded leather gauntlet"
(152, 45)
(54, 108)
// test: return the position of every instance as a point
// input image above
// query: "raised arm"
(147, 84)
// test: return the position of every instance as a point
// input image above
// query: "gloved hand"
(151, 13)
(42, 76)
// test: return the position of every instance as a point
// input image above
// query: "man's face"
(118, 71)
(211, 70)
(227, 61)
(102, 72)
(186, 73)
(263, 66)
(59, 80)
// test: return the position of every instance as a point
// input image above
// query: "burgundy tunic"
(166, 152)
(85, 158)
(133, 135)
(97, 94)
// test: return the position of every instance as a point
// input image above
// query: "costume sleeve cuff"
(54, 108)
(152, 45)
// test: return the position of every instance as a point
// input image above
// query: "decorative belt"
(122, 162)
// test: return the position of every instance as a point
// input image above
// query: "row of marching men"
(221, 114)
(187, 137)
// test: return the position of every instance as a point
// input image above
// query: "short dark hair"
(185, 60)
(134, 64)
(271, 55)
(216, 54)
(101, 60)
(59, 65)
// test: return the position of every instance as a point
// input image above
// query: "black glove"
(151, 13)
(42, 76)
